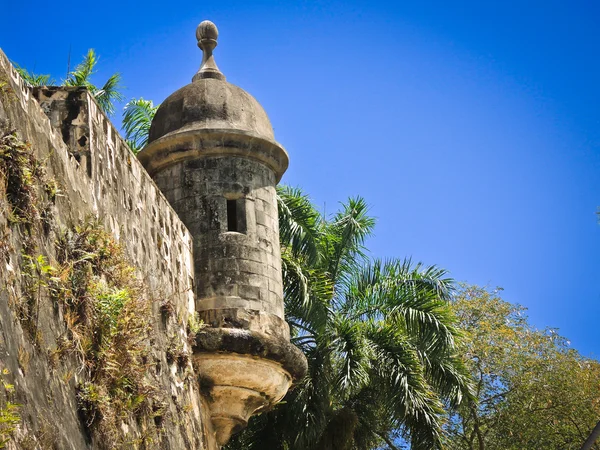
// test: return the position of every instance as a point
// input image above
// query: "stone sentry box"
(213, 154)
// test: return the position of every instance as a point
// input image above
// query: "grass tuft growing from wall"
(28, 195)
(19, 173)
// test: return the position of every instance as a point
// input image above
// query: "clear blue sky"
(472, 128)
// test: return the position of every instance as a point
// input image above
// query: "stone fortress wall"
(100, 177)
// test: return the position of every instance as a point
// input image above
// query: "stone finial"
(207, 34)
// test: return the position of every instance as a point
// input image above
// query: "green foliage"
(19, 172)
(29, 194)
(35, 272)
(379, 337)
(109, 305)
(7, 93)
(9, 419)
(299, 225)
(533, 390)
(137, 118)
(106, 95)
(33, 79)
(9, 412)
(194, 325)
(108, 318)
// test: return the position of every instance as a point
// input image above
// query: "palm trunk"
(339, 432)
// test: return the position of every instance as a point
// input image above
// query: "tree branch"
(387, 440)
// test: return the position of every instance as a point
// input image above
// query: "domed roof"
(209, 102)
(210, 117)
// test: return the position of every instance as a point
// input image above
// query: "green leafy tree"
(533, 390)
(379, 337)
(106, 95)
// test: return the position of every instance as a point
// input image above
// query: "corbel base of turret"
(242, 373)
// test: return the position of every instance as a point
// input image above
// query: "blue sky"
(472, 128)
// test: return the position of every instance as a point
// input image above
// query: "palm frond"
(137, 119)
(306, 292)
(413, 403)
(353, 354)
(450, 377)
(81, 75)
(33, 79)
(345, 238)
(299, 224)
(108, 94)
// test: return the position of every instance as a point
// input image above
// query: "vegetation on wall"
(20, 172)
(107, 314)
(20, 179)
(6, 92)
(29, 194)
(108, 319)
(106, 95)
(9, 411)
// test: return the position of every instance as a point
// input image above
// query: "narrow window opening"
(232, 215)
(236, 215)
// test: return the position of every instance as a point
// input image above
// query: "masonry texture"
(212, 152)
(98, 177)
(233, 269)
(181, 345)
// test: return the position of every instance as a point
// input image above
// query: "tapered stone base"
(243, 372)
(236, 387)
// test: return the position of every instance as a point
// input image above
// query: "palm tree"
(137, 118)
(379, 337)
(106, 96)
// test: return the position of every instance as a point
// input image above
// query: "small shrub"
(6, 91)
(19, 173)
(9, 412)
(195, 324)
(36, 272)
(9, 419)
(176, 353)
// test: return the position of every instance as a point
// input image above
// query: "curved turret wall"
(213, 155)
(229, 205)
